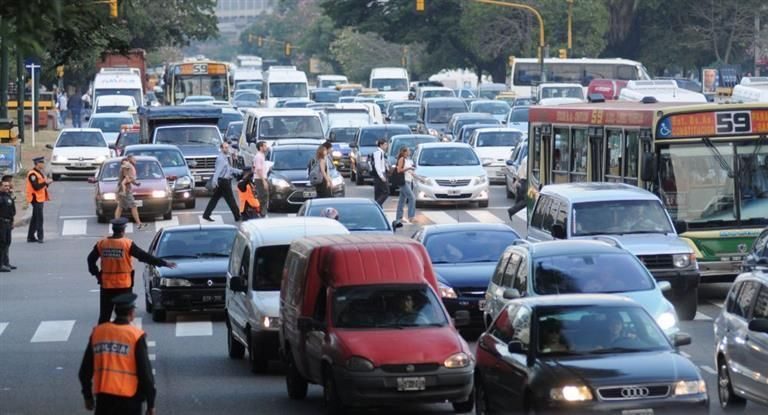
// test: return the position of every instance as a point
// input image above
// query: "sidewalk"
(42, 137)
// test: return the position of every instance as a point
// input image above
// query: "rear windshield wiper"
(214, 254)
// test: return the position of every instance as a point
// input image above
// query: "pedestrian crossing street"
(88, 226)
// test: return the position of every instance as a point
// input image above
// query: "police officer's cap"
(125, 302)
(119, 223)
(38, 160)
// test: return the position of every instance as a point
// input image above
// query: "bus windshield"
(210, 85)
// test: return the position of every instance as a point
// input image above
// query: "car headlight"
(571, 394)
(486, 160)
(434, 132)
(159, 194)
(446, 291)
(174, 282)
(336, 154)
(100, 159)
(337, 181)
(270, 322)
(690, 387)
(457, 361)
(666, 320)
(480, 180)
(682, 260)
(280, 183)
(109, 196)
(185, 181)
(359, 364)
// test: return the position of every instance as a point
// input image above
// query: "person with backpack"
(319, 175)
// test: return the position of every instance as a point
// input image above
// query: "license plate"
(309, 194)
(500, 173)
(454, 192)
(81, 164)
(481, 305)
(648, 411)
(411, 384)
(198, 178)
(139, 203)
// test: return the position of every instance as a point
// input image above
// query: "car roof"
(443, 101)
(140, 147)
(497, 130)
(138, 158)
(574, 247)
(411, 136)
(385, 127)
(593, 192)
(201, 227)
(462, 115)
(80, 130)
(286, 112)
(283, 142)
(283, 231)
(425, 146)
(467, 226)
(339, 201)
(760, 274)
(229, 110)
(576, 300)
(295, 146)
(488, 101)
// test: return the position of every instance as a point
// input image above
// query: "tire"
(333, 404)
(147, 304)
(728, 399)
(465, 406)
(481, 400)
(190, 204)
(234, 348)
(256, 361)
(168, 215)
(101, 219)
(359, 180)
(687, 304)
(483, 204)
(158, 315)
(55, 177)
(294, 382)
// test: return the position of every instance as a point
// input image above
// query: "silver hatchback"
(741, 341)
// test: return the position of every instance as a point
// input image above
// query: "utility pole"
(3, 68)
(570, 27)
(20, 85)
(758, 43)
(35, 95)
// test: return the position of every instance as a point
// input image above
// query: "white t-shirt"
(408, 163)
(522, 171)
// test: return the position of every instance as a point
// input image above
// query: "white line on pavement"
(152, 356)
(74, 227)
(194, 328)
(160, 224)
(3, 325)
(708, 369)
(199, 212)
(685, 355)
(484, 216)
(702, 316)
(77, 217)
(94, 291)
(216, 219)
(718, 304)
(438, 217)
(151, 343)
(53, 331)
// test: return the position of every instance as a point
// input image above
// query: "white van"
(663, 90)
(243, 75)
(282, 83)
(330, 81)
(118, 81)
(392, 82)
(751, 89)
(254, 276)
(275, 124)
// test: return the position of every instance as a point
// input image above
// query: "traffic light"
(60, 71)
(288, 48)
(260, 41)
(113, 9)
(420, 5)
(563, 53)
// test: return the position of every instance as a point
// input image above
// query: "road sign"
(31, 61)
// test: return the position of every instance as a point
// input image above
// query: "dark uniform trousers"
(106, 307)
(262, 193)
(36, 222)
(107, 404)
(6, 227)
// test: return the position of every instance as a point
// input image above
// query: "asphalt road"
(50, 304)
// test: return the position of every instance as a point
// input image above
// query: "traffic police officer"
(37, 194)
(250, 208)
(116, 274)
(5, 260)
(7, 212)
(116, 365)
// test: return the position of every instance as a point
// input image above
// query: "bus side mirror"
(649, 167)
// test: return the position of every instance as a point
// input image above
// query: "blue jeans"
(406, 195)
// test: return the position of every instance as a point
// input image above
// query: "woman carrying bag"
(403, 177)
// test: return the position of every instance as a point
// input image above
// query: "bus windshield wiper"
(719, 157)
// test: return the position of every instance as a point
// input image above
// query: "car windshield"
(441, 115)
(197, 243)
(499, 139)
(562, 92)
(167, 158)
(395, 84)
(145, 170)
(290, 127)
(356, 217)
(523, 101)
(268, 267)
(234, 130)
(485, 120)
(110, 124)
(598, 330)
(326, 96)
(405, 113)
(368, 136)
(488, 93)
(227, 118)
(589, 274)
(410, 142)
(292, 158)
(435, 93)
(349, 118)
(288, 90)
(343, 135)
(188, 136)
(616, 217)
(249, 99)
(81, 139)
(495, 108)
(248, 85)
(448, 156)
(468, 246)
(467, 131)
(387, 306)
(519, 115)
(126, 139)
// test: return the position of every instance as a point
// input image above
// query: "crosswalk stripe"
(702, 317)
(74, 227)
(160, 224)
(708, 370)
(151, 343)
(53, 331)
(152, 356)
(216, 219)
(194, 328)
(438, 217)
(3, 325)
(484, 216)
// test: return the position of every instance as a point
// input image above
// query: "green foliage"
(358, 53)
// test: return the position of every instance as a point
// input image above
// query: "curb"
(24, 219)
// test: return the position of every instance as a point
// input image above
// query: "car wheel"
(483, 204)
(158, 315)
(168, 215)
(687, 304)
(294, 382)
(234, 348)
(256, 360)
(333, 404)
(147, 304)
(728, 398)
(190, 204)
(55, 177)
(101, 218)
(359, 180)
(481, 400)
(465, 406)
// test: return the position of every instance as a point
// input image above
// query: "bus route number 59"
(200, 68)
(737, 122)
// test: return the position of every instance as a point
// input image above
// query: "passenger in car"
(551, 339)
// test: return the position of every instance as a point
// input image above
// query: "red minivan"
(360, 315)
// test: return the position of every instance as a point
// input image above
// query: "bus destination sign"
(713, 124)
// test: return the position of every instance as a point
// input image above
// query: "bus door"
(595, 164)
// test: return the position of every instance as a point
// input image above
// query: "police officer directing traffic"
(7, 212)
(37, 195)
(116, 274)
(116, 365)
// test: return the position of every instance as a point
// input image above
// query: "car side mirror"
(763, 262)
(516, 347)
(49, 146)
(681, 226)
(388, 119)
(510, 162)
(649, 167)
(511, 294)
(461, 318)
(237, 284)
(112, 147)
(681, 339)
(487, 163)
(87, 118)
(558, 231)
(759, 325)
(92, 180)
(192, 163)
(664, 286)
(397, 225)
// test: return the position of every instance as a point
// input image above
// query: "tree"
(358, 53)
(722, 26)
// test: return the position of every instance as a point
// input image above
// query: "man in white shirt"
(379, 172)
(260, 176)
(521, 188)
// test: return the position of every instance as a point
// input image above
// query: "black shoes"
(11, 266)
(5, 269)
(35, 240)
(208, 218)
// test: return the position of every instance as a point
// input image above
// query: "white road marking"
(702, 316)
(484, 216)
(708, 369)
(94, 290)
(3, 325)
(151, 343)
(53, 331)
(137, 323)
(438, 217)
(77, 217)
(199, 212)
(160, 224)
(152, 357)
(718, 304)
(685, 355)
(74, 227)
(216, 219)
(194, 328)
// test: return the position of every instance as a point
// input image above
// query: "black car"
(584, 354)
(201, 254)
(758, 251)
(464, 256)
(365, 145)
(405, 114)
(288, 179)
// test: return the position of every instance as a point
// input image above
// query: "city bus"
(197, 78)
(526, 72)
(708, 163)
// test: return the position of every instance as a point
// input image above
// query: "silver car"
(741, 341)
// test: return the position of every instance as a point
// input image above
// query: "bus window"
(579, 156)
(535, 155)
(631, 157)
(561, 156)
(626, 73)
(613, 156)
(526, 73)
(598, 71)
(565, 72)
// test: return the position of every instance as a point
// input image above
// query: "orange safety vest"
(40, 195)
(116, 264)
(247, 197)
(114, 358)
